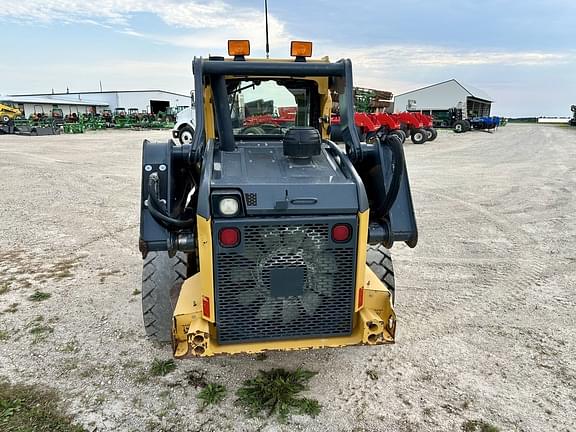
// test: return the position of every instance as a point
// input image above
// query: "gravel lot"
(486, 302)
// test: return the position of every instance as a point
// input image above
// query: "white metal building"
(437, 99)
(42, 104)
(152, 101)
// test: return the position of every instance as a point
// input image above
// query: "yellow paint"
(209, 123)
(206, 263)
(361, 259)
(375, 324)
(188, 308)
(9, 111)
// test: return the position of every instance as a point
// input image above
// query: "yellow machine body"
(10, 112)
(194, 332)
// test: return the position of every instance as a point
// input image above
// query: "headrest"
(302, 142)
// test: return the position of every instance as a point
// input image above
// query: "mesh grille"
(250, 309)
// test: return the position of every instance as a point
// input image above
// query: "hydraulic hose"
(394, 143)
(157, 208)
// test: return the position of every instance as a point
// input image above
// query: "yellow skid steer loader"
(262, 234)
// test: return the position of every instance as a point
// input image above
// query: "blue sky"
(523, 54)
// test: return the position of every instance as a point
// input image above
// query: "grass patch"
(478, 426)
(276, 392)
(12, 308)
(71, 346)
(104, 274)
(212, 394)
(39, 330)
(26, 408)
(39, 296)
(4, 335)
(162, 367)
(62, 269)
(136, 291)
(4, 287)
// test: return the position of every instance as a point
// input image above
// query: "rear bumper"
(193, 336)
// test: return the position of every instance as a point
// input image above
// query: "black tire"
(432, 134)
(162, 278)
(371, 138)
(186, 135)
(5, 119)
(460, 126)
(400, 134)
(419, 136)
(380, 262)
(468, 125)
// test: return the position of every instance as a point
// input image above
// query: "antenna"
(266, 13)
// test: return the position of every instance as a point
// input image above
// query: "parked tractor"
(414, 127)
(255, 242)
(455, 120)
(9, 113)
(427, 125)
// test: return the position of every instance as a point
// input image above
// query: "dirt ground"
(486, 302)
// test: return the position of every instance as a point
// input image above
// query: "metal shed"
(437, 99)
(152, 101)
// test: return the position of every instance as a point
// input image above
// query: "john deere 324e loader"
(262, 234)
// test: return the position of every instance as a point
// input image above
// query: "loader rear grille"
(284, 281)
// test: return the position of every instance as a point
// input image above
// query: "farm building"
(152, 101)
(437, 99)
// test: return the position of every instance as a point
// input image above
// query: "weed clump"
(212, 394)
(276, 392)
(478, 426)
(4, 287)
(39, 296)
(162, 367)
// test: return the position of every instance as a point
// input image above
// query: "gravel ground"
(485, 302)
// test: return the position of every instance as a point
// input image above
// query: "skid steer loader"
(276, 238)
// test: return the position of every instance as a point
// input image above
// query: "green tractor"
(120, 119)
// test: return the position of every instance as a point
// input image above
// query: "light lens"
(206, 306)
(238, 47)
(229, 237)
(341, 233)
(301, 49)
(228, 206)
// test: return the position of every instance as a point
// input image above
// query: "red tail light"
(361, 297)
(229, 237)
(206, 306)
(341, 233)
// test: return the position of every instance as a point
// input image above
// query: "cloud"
(217, 19)
(390, 55)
